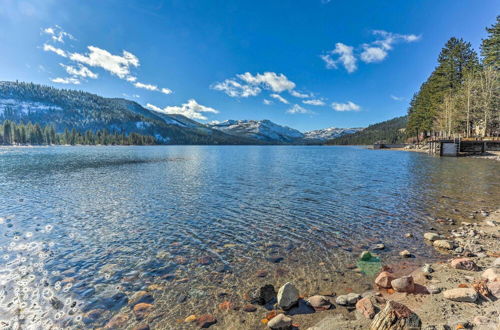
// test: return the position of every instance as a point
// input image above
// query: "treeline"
(34, 134)
(390, 131)
(461, 96)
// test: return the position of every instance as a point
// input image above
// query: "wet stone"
(205, 321)
(249, 308)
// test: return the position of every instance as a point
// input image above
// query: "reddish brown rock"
(319, 303)
(206, 321)
(142, 310)
(249, 308)
(384, 280)
(261, 273)
(226, 305)
(143, 326)
(494, 288)
(118, 321)
(366, 307)
(205, 260)
(464, 263)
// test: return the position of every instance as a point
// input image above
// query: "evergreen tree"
(490, 47)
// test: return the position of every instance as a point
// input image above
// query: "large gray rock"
(348, 299)
(461, 295)
(403, 284)
(319, 303)
(280, 322)
(395, 316)
(288, 296)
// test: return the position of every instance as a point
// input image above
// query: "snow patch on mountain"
(264, 130)
(330, 133)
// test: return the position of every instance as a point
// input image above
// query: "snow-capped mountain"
(329, 133)
(263, 130)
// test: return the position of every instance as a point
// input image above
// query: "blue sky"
(307, 64)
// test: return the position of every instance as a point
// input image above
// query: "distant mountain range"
(267, 131)
(68, 109)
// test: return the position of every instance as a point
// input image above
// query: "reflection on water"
(85, 228)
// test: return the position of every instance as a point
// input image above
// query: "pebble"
(206, 321)
(117, 321)
(280, 322)
(464, 264)
(432, 236)
(288, 296)
(432, 289)
(348, 299)
(249, 308)
(263, 295)
(141, 310)
(190, 318)
(261, 273)
(461, 295)
(378, 247)
(408, 235)
(319, 303)
(427, 269)
(443, 244)
(405, 254)
(494, 288)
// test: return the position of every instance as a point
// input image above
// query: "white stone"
(288, 296)
(280, 322)
(491, 274)
(461, 294)
(432, 236)
(443, 244)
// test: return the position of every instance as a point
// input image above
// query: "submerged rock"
(395, 316)
(365, 256)
(142, 310)
(432, 236)
(280, 322)
(405, 254)
(206, 321)
(263, 295)
(461, 295)
(288, 296)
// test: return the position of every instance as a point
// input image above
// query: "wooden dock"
(462, 147)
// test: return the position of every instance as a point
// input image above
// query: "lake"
(85, 228)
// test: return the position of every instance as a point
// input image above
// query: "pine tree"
(490, 47)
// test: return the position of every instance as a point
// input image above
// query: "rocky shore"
(460, 292)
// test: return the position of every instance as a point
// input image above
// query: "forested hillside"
(390, 131)
(461, 96)
(64, 109)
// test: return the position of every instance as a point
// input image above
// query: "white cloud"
(372, 54)
(68, 80)
(279, 98)
(57, 34)
(81, 71)
(349, 106)
(115, 64)
(146, 86)
(58, 51)
(297, 109)
(235, 89)
(346, 57)
(267, 102)
(191, 109)
(151, 87)
(314, 102)
(131, 79)
(397, 98)
(269, 80)
(377, 50)
(299, 94)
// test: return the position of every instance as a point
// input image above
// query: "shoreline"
(460, 293)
